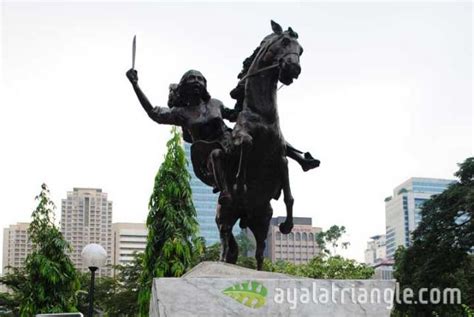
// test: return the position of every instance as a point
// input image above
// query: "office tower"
(403, 209)
(16, 246)
(376, 250)
(86, 217)
(128, 238)
(298, 247)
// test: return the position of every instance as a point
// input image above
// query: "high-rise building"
(205, 203)
(86, 217)
(16, 245)
(403, 209)
(297, 247)
(376, 250)
(128, 238)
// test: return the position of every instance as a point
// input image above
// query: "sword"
(134, 48)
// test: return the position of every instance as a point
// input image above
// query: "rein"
(259, 71)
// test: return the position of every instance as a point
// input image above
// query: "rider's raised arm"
(132, 76)
(158, 114)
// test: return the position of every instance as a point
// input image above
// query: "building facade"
(128, 238)
(16, 246)
(376, 250)
(403, 209)
(298, 247)
(86, 217)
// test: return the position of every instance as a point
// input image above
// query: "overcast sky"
(385, 94)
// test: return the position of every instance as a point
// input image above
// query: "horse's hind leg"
(259, 227)
(286, 226)
(225, 220)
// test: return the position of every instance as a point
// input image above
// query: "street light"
(93, 256)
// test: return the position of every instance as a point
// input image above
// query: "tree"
(172, 243)
(125, 300)
(49, 281)
(331, 237)
(439, 255)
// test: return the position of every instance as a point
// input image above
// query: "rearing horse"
(262, 169)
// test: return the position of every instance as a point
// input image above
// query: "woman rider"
(200, 117)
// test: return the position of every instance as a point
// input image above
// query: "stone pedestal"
(219, 289)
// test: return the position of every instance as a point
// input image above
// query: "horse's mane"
(238, 93)
(248, 61)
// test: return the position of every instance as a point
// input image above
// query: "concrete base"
(220, 289)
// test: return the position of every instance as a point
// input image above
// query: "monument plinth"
(220, 289)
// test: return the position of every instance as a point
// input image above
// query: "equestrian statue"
(248, 164)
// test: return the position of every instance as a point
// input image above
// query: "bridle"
(264, 50)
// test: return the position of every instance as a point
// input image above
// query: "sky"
(385, 94)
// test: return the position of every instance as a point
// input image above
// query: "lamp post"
(94, 257)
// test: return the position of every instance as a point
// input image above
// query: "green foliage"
(439, 255)
(105, 289)
(247, 261)
(49, 281)
(16, 280)
(211, 253)
(9, 304)
(331, 237)
(336, 267)
(321, 267)
(172, 243)
(251, 294)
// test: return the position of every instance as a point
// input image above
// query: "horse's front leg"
(287, 226)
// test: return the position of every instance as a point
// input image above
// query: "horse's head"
(282, 48)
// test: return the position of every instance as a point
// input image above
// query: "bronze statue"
(251, 158)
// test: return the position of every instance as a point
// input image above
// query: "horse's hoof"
(286, 227)
(309, 162)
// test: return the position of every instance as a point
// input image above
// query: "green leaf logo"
(251, 294)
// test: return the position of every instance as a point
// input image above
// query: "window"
(86, 211)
